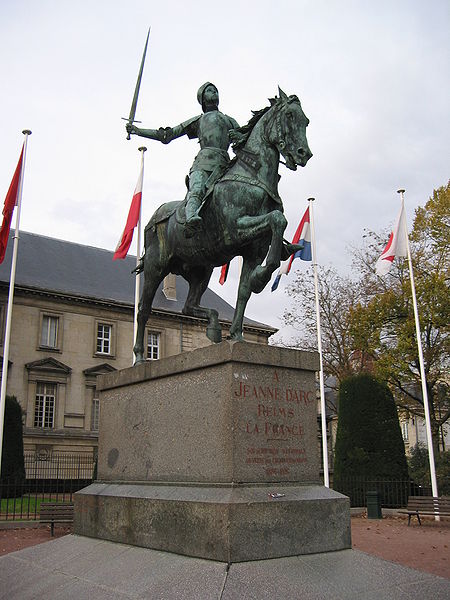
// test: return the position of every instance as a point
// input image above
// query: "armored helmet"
(201, 89)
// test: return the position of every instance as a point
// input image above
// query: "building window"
(153, 345)
(103, 338)
(405, 431)
(49, 331)
(95, 414)
(44, 409)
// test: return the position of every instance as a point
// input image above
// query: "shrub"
(369, 442)
(13, 466)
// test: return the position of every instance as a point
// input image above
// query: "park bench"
(427, 505)
(56, 512)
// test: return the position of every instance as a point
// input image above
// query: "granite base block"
(192, 449)
(224, 523)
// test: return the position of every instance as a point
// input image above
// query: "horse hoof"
(288, 249)
(235, 337)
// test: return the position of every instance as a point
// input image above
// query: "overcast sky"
(373, 78)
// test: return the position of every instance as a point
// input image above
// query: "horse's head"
(289, 131)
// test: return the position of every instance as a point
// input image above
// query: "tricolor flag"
(8, 209)
(133, 219)
(303, 234)
(396, 247)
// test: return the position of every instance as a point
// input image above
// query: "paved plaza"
(75, 567)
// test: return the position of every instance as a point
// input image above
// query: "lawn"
(25, 506)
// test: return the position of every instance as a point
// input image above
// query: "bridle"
(280, 133)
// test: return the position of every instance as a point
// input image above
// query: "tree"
(382, 325)
(13, 465)
(368, 441)
(338, 296)
(368, 322)
(419, 468)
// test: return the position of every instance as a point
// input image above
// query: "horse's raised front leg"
(254, 275)
(252, 228)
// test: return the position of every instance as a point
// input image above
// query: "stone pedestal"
(214, 454)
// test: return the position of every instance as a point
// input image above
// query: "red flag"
(224, 273)
(133, 218)
(8, 209)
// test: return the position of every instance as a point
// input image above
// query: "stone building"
(414, 432)
(73, 320)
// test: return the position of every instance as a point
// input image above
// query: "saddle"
(162, 213)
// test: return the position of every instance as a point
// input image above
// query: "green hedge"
(13, 466)
(369, 442)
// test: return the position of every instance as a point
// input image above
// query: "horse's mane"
(240, 135)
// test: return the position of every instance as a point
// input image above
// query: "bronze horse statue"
(242, 216)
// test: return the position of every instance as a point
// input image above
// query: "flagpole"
(142, 149)
(326, 476)
(9, 309)
(434, 487)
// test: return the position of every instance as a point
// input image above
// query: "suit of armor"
(212, 129)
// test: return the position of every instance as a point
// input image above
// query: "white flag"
(396, 246)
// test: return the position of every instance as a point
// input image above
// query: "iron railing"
(54, 476)
(59, 465)
(393, 493)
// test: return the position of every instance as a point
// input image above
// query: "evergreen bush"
(13, 465)
(369, 443)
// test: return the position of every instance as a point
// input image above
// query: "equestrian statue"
(232, 207)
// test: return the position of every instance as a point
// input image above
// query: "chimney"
(170, 287)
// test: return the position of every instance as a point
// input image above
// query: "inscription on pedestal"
(273, 421)
(247, 416)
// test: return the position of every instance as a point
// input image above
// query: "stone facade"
(414, 432)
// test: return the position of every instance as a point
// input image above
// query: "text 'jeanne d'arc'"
(277, 394)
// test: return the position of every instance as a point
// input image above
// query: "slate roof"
(84, 272)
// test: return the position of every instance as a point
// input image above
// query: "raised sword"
(136, 89)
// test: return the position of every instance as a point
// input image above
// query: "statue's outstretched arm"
(160, 135)
(164, 134)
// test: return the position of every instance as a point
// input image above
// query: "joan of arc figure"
(212, 128)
